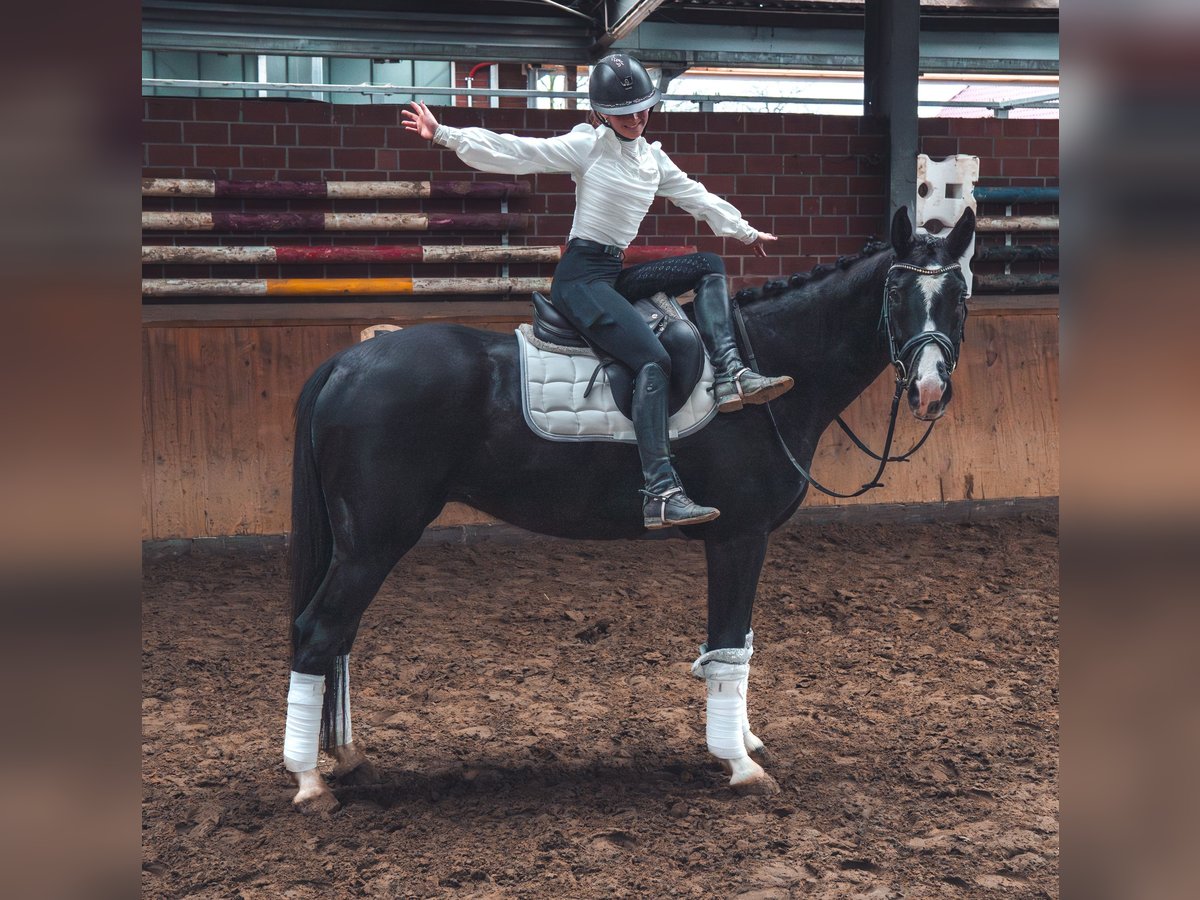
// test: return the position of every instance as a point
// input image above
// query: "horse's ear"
(959, 239)
(902, 231)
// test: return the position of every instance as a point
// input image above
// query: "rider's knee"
(710, 263)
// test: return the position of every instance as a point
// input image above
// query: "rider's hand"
(758, 245)
(420, 120)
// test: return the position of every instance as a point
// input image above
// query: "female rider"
(617, 175)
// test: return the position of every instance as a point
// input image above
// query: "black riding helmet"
(621, 85)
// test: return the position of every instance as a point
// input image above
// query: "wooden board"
(217, 420)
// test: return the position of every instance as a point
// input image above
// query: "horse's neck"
(831, 342)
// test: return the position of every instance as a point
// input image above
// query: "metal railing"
(705, 101)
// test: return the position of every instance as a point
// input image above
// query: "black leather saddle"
(680, 338)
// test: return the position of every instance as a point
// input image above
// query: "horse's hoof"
(760, 755)
(314, 795)
(761, 786)
(363, 772)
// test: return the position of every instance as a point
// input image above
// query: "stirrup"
(761, 388)
(689, 512)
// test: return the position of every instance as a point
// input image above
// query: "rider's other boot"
(666, 504)
(735, 382)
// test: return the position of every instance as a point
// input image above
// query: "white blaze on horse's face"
(931, 369)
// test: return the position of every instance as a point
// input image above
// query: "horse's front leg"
(734, 565)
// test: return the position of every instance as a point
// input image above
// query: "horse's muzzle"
(929, 394)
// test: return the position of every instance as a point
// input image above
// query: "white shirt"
(615, 180)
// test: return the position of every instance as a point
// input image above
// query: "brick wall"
(816, 181)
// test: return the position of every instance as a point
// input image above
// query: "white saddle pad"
(553, 381)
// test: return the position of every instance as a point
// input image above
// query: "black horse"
(390, 430)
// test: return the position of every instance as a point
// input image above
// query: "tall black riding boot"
(735, 383)
(666, 504)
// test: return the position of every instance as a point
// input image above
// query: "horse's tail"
(310, 547)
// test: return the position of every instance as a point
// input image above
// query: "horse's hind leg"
(324, 632)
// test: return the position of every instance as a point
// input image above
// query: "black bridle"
(902, 360)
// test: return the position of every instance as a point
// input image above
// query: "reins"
(908, 350)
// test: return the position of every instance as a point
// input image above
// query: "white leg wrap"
(301, 735)
(726, 710)
(342, 732)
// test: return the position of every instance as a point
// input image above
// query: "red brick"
(829, 224)
(939, 147)
(721, 185)
(976, 146)
(354, 159)
(387, 160)
(872, 206)
(839, 165)
(377, 114)
(287, 135)
(1047, 128)
(308, 112)
(264, 111)
(342, 114)
(252, 134)
(1019, 127)
(214, 109)
(206, 133)
(867, 144)
(725, 163)
(265, 157)
(1044, 147)
(748, 206)
(839, 124)
(1048, 167)
(685, 143)
(791, 225)
(171, 155)
(320, 135)
(801, 165)
(964, 127)
(219, 157)
(161, 132)
(763, 164)
(933, 126)
(810, 205)
(781, 205)
(864, 225)
(308, 157)
(1018, 167)
(690, 162)
(793, 143)
(793, 185)
(826, 184)
(754, 144)
(825, 145)
(801, 124)
(839, 206)
(1011, 148)
(818, 246)
(754, 184)
(178, 108)
(718, 143)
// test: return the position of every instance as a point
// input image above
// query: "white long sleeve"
(721, 215)
(488, 151)
(615, 181)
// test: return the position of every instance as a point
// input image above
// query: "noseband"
(911, 348)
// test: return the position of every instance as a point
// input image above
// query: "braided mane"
(819, 272)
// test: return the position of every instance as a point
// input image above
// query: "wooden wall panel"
(999, 438)
(218, 398)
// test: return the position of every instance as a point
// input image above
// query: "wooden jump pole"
(1016, 223)
(327, 287)
(375, 254)
(349, 190)
(318, 221)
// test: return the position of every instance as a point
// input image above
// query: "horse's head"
(925, 310)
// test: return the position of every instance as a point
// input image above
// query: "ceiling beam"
(630, 14)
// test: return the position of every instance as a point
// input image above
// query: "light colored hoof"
(748, 777)
(763, 786)
(314, 795)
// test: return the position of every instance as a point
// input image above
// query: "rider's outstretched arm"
(488, 151)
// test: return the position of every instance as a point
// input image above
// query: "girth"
(666, 319)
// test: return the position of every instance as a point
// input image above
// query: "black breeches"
(583, 291)
(673, 276)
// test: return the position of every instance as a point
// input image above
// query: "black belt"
(609, 249)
